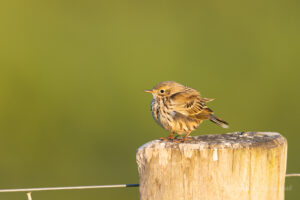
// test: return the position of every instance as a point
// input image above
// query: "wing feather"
(190, 103)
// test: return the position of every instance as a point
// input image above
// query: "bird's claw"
(174, 139)
(177, 140)
(186, 139)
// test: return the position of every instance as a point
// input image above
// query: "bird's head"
(165, 89)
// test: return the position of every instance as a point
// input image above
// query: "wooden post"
(233, 166)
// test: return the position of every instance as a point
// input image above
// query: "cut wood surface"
(233, 166)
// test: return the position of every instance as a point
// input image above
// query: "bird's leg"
(170, 137)
(186, 137)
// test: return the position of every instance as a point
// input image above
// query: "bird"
(180, 109)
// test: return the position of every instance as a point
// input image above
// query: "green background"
(72, 75)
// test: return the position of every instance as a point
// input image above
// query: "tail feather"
(219, 121)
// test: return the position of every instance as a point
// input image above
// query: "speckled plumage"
(180, 109)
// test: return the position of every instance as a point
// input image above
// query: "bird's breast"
(161, 113)
(166, 116)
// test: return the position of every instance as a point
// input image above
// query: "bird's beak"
(148, 91)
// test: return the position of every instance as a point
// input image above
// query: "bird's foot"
(176, 140)
(170, 138)
(186, 139)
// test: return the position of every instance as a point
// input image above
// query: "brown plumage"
(180, 109)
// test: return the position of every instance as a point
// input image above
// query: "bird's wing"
(189, 103)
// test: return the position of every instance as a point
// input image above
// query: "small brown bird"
(180, 109)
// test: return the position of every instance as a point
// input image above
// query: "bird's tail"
(218, 121)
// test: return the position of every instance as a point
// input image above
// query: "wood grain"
(233, 166)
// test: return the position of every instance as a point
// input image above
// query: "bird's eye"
(162, 91)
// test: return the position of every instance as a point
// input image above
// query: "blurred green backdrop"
(72, 107)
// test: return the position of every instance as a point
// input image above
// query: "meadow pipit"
(180, 109)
